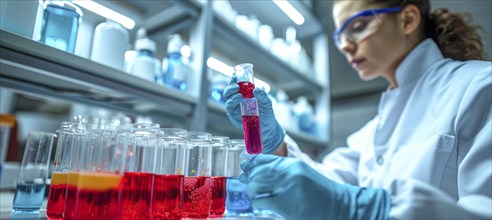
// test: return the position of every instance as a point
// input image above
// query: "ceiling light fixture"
(227, 70)
(127, 22)
(290, 11)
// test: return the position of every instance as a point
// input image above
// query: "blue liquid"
(60, 27)
(175, 64)
(237, 200)
(28, 197)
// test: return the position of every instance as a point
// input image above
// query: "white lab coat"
(430, 144)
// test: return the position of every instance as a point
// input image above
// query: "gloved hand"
(272, 133)
(293, 189)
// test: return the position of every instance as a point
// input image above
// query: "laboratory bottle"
(249, 108)
(144, 65)
(109, 44)
(283, 111)
(175, 74)
(304, 115)
(61, 20)
(218, 84)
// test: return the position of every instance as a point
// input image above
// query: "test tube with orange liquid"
(98, 181)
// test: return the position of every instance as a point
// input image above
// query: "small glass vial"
(249, 108)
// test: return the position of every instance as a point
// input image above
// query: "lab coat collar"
(425, 54)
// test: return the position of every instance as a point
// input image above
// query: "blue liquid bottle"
(176, 73)
(61, 20)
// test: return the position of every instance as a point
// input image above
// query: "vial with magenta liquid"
(249, 108)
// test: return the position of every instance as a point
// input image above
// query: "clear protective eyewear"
(361, 25)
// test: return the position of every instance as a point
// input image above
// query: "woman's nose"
(346, 46)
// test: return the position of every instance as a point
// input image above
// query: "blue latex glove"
(272, 133)
(293, 189)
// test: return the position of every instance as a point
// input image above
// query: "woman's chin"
(367, 76)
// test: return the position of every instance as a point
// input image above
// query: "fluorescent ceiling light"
(290, 11)
(220, 66)
(227, 70)
(106, 12)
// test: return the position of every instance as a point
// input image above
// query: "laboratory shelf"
(238, 46)
(30, 66)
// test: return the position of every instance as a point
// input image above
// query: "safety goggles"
(361, 25)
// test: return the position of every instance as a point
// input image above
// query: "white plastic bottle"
(109, 44)
(284, 110)
(144, 65)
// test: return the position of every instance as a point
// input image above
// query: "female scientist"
(426, 154)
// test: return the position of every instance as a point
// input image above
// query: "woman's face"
(377, 54)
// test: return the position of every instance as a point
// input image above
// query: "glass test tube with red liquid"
(220, 149)
(197, 188)
(249, 108)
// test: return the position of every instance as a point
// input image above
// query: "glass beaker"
(198, 184)
(59, 177)
(61, 20)
(237, 202)
(100, 176)
(220, 147)
(249, 108)
(29, 193)
(168, 182)
(139, 173)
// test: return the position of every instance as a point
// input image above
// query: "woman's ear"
(410, 19)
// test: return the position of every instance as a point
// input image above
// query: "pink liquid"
(168, 197)
(70, 202)
(218, 196)
(197, 196)
(252, 134)
(136, 195)
(246, 89)
(56, 201)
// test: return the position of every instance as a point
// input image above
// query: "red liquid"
(70, 202)
(218, 196)
(252, 134)
(137, 194)
(97, 204)
(246, 89)
(197, 196)
(168, 196)
(56, 196)
(56, 200)
(98, 196)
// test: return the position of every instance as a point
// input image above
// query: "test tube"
(29, 193)
(237, 201)
(168, 182)
(198, 184)
(139, 174)
(100, 176)
(75, 163)
(249, 108)
(59, 177)
(220, 147)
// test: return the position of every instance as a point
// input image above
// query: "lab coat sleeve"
(473, 128)
(340, 165)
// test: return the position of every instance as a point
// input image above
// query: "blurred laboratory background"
(168, 62)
